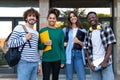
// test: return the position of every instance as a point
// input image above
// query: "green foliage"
(1, 49)
(85, 25)
(103, 15)
(2, 59)
(64, 24)
(80, 12)
(65, 13)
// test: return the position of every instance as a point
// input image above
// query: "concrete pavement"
(13, 77)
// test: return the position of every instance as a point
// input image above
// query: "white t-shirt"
(74, 33)
(98, 48)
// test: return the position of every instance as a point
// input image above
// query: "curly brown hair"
(31, 11)
(54, 11)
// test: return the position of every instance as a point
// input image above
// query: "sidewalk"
(13, 77)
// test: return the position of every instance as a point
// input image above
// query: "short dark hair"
(92, 12)
(31, 11)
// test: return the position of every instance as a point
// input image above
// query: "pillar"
(43, 9)
(117, 34)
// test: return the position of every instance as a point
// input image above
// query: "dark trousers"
(47, 67)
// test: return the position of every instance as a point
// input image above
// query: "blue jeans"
(106, 74)
(27, 70)
(77, 65)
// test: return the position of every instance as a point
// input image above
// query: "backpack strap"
(23, 47)
(8, 37)
(25, 29)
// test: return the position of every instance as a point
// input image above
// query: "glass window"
(5, 30)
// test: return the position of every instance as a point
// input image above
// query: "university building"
(44, 6)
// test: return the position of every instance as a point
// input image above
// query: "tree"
(65, 13)
(79, 11)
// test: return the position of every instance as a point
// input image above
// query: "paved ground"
(13, 77)
(10, 76)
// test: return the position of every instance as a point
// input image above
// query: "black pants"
(47, 67)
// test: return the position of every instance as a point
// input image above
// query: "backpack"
(12, 55)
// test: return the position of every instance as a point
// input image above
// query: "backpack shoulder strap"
(25, 29)
(8, 37)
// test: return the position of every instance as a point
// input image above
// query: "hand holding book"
(48, 43)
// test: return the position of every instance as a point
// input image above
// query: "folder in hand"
(44, 36)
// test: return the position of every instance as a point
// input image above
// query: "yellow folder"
(44, 36)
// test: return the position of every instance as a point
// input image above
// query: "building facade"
(44, 6)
